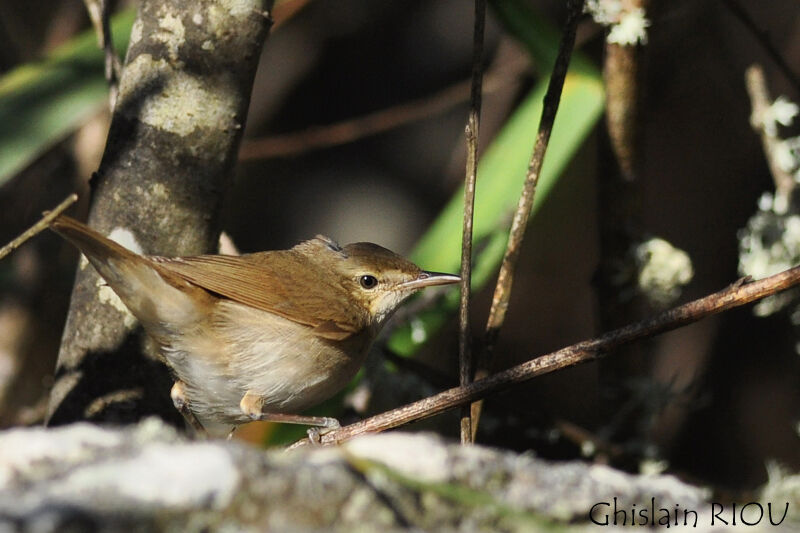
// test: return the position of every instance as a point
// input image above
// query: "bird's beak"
(430, 279)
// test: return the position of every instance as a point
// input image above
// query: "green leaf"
(502, 169)
(42, 102)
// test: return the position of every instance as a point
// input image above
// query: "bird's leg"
(252, 405)
(181, 403)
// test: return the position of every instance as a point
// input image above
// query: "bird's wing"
(277, 282)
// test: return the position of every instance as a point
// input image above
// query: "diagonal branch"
(40, 226)
(737, 294)
(318, 137)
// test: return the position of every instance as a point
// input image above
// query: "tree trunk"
(174, 136)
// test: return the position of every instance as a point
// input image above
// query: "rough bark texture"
(147, 478)
(172, 143)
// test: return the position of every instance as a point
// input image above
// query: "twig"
(39, 226)
(473, 127)
(763, 38)
(502, 292)
(112, 63)
(295, 143)
(99, 15)
(760, 101)
(737, 294)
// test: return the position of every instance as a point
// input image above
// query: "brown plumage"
(263, 335)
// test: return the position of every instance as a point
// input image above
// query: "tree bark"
(172, 143)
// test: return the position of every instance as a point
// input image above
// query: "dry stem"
(99, 15)
(502, 292)
(473, 127)
(317, 137)
(760, 102)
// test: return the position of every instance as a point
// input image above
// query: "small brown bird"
(260, 336)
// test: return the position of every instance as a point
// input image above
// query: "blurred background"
(717, 401)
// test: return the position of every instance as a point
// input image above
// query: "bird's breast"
(259, 352)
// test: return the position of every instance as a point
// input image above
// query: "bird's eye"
(368, 282)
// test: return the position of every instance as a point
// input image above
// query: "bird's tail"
(95, 246)
(155, 296)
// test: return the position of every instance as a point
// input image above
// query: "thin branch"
(295, 143)
(112, 63)
(502, 292)
(99, 15)
(760, 101)
(473, 127)
(39, 226)
(737, 294)
(763, 38)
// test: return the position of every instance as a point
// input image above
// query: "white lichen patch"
(240, 8)
(106, 294)
(653, 467)
(770, 243)
(225, 16)
(162, 475)
(782, 111)
(785, 152)
(627, 24)
(136, 31)
(158, 190)
(216, 16)
(28, 451)
(171, 33)
(417, 456)
(185, 102)
(630, 30)
(663, 271)
(197, 18)
(126, 238)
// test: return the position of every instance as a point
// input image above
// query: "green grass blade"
(42, 102)
(501, 173)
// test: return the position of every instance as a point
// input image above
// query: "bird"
(258, 336)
